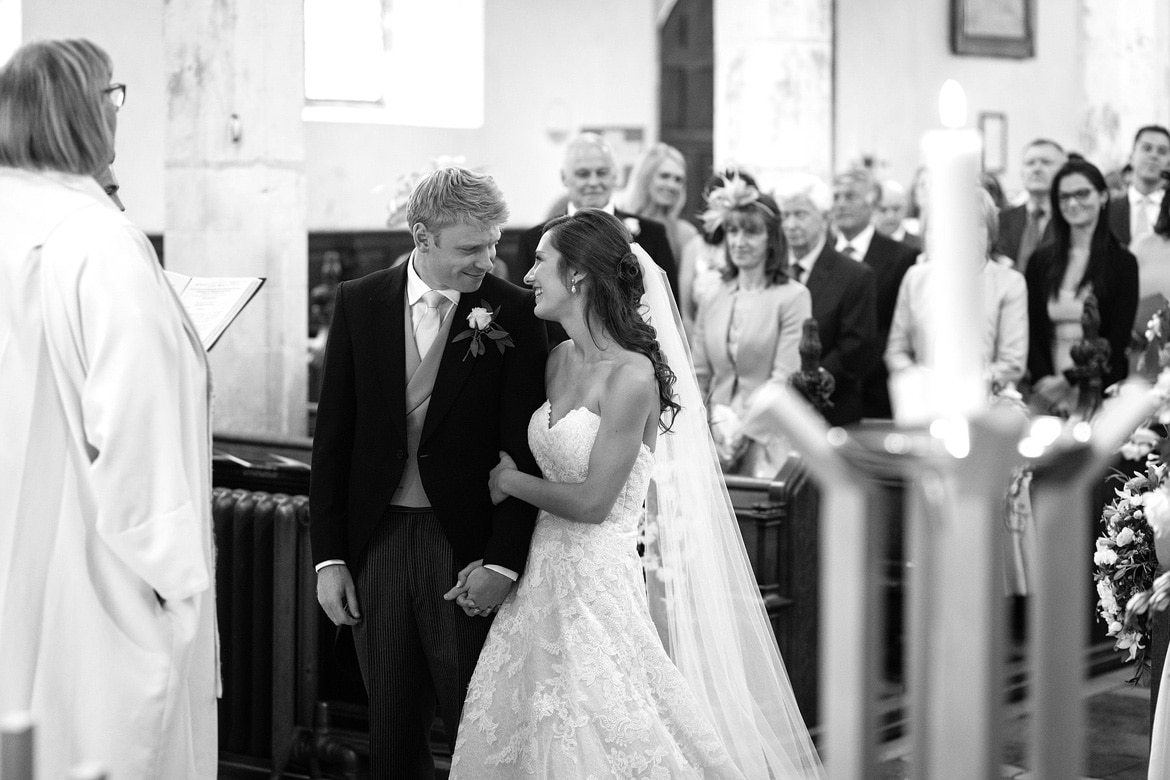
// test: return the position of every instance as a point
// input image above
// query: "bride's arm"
(629, 397)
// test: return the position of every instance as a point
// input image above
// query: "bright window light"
(405, 62)
(9, 28)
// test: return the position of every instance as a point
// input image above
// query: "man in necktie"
(1026, 227)
(842, 292)
(855, 197)
(410, 422)
(1132, 217)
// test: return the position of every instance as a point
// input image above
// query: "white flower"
(1107, 600)
(479, 318)
(1130, 640)
(633, 225)
(1125, 536)
(1114, 628)
(1105, 557)
(1158, 510)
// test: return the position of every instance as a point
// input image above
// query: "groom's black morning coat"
(480, 405)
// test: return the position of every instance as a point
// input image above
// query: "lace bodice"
(562, 451)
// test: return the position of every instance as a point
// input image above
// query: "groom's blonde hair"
(454, 196)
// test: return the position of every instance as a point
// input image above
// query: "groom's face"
(456, 257)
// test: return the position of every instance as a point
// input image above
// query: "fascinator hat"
(734, 195)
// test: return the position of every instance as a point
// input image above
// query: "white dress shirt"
(860, 243)
(802, 267)
(1150, 204)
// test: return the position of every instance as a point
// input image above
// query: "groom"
(431, 369)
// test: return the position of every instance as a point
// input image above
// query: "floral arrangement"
(404, 185)
(1124, 558)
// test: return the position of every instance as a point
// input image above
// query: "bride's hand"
(506, 464)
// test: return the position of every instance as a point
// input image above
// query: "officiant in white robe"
(107, 613)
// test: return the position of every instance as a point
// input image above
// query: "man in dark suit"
(1025, 228)
(855, 195)
(431, 369)
(589, 174)
(842, 290)
(1133, 217)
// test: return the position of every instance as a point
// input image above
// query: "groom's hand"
(337, 595)
(487, 588)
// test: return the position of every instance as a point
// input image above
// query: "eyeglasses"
(1080, 196)
(117, 94)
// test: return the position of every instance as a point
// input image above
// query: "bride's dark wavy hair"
(597, 245)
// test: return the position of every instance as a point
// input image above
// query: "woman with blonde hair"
(658, 191)
(107, 611)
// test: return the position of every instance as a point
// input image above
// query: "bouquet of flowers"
(1124, 559)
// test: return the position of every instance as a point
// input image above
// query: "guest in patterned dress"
(747, 333)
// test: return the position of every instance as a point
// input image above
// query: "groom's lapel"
(453, 369)
(390, 366)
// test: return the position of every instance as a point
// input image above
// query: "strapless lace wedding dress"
(573, 681)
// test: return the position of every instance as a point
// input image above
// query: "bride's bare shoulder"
(631, 373)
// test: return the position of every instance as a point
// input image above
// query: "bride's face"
(553, 299)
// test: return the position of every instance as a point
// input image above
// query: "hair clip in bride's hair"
(736, 193)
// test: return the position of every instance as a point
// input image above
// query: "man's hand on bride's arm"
(496, 490)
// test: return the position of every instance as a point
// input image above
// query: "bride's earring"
(573, 287)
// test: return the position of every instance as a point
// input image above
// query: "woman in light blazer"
(747, 333)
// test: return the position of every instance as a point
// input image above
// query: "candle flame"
(952, 105)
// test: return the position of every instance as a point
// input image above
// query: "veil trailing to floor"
(702, 590)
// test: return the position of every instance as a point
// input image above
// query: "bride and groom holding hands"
(475, 508)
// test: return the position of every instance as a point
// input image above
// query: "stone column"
(774, 86)
(1125, 66)
(235, 195)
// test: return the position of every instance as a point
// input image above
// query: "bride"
(574, 679)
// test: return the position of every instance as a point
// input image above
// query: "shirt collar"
(416, 287)
(808, 261)
(1135, 197)
(860, 242)
(608, 208)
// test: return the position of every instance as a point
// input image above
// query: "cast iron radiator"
(266, 604)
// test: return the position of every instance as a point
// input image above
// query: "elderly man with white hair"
(843, 292)
(590, 175)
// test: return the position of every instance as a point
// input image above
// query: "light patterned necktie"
(428, 324)
(1141, 215)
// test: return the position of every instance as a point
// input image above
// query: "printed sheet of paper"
(213, 302)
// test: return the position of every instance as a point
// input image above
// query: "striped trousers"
(414, 648)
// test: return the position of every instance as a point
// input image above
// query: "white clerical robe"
(107, 601)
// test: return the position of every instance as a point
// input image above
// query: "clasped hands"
(478, 590)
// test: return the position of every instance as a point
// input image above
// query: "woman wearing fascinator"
(574, 680)
(746, 336)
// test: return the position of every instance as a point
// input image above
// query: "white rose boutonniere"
(483, 323)
(633, 225)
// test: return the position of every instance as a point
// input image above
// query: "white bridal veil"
(704, 596)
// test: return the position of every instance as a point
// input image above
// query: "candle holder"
(956, 472)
